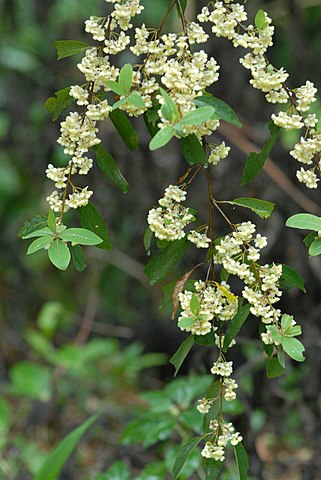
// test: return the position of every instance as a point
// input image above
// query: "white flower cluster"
(238, 256)
(79, 131)
(228, 20)
(218, 152)
(216, 302)
(199, 239)
(168, 220)
(204, 405)
(224, 433)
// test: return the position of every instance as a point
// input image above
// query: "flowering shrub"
(167, 82)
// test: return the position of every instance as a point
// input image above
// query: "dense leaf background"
(75, 343)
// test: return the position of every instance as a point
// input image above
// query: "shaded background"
(111, 302)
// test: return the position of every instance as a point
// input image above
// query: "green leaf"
(81, 236)
(185, 451)
(275, 332)
(59, 254)
(29, 380)
(38, 233)
(56, 105)
(293, 348)
(91, 219)
(304, 221)
(195, 305)
(78, 258)
(273, 367)
(222, 111)
(126, 77)
(162, 137)
(286, 322)
(52, 221)
(235, 325)
(291, 278)
(124, 128)
(136, 99)
(186, 322)
(66, 48)
(118, 471)
(315, 248)
(178, 358)
(116, 87)
(163, 263)
(147, 239)
(39, 244)
(151, 118)
(255, 161)
(261, 207)
(198, 116)
(207, 340)
(169, 109)
(109, 168)
(192, 150)
(242, 461)
(35, 224)
(294, 331)
(212, 469)
(183, 4)
(53, 464)
(310, 238)
(260, 20)
(281, 356)
(119, 103)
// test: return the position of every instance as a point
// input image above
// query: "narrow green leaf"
(136, 99)
(310, 238)
(126, 77)
(183, 4)
(169, 109)
(36, 223)
(315, 248)
(109, 168)
(66, 48)
(242, 461)
(235, 325)
(78, 258)
(52, 221)
(124, 128)
(53, 465)
(212, 469)
(255, 161)
(163, 263)
(195, 305)
(59, 254)
(151, 118)
(38, 233)
(119, 103)
(304, 221)
(198, 116)
(178, 358)
(192, 150)
(291, 278)
(207, 340)
(273, 368)
(162, 137)
(82, 236)
(222, 111)
(275, 332)
(294, 348)
(261, 207)
(281, 356)
(260, 20)
(39, 244)
(56, 105)
(185, 451)
(147, 239)
(294, 331)
(91, 219)
(116, 87)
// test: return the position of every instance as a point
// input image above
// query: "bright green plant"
(168, 84)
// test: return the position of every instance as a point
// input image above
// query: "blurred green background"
(75, 343)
